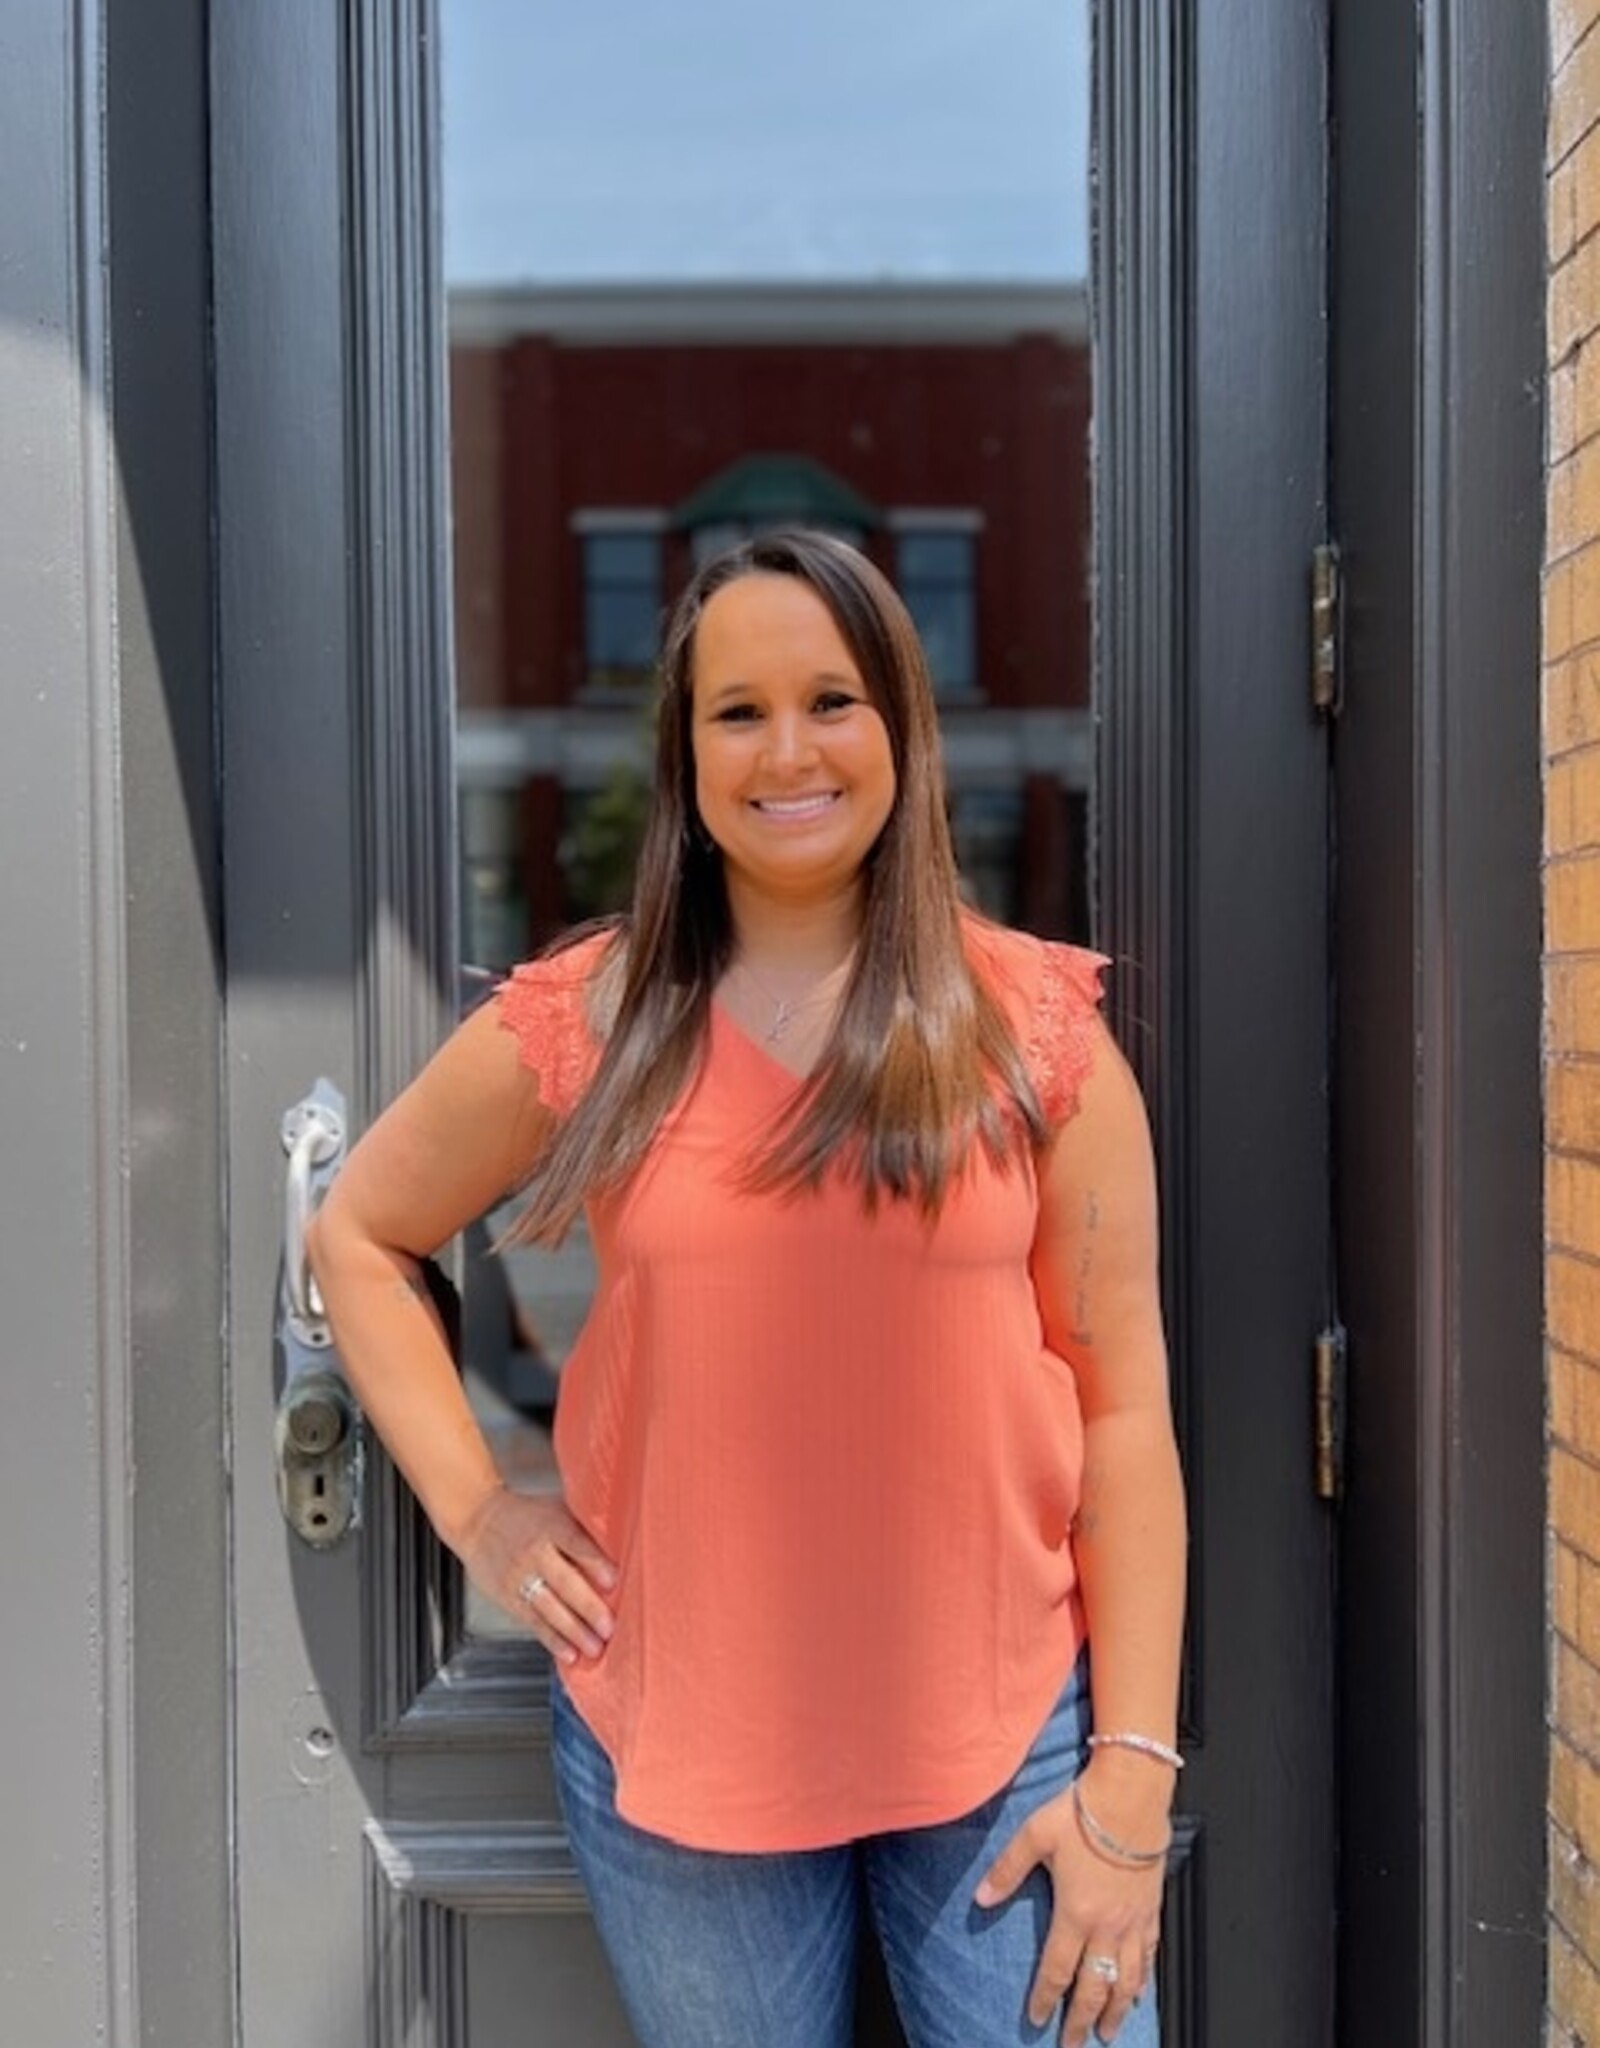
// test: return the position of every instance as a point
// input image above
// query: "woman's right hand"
(529, 1555)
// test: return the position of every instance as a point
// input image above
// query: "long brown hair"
(906, 1081)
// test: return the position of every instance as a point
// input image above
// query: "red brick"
(1572, 802)
(1574, 99)
(1561, 410)
(1575, 1608)
(1572, 213)
(1585, 366)
(1574, 484)
(1572, 904)
(1572, 704)
(1572, 1106)
(1575, 1517)
(1572, 1304)
(1558, 583)
(1575, 1892)
(1574, 1400)
(1569, 22)
(1574, 1988)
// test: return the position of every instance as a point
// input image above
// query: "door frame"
(1439, 474)
(1210, 402)
(116, 1908)
(167, 1012)
(1436, 290)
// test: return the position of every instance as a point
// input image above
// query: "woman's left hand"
(1105, 1918)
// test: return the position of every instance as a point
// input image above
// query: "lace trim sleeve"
(1061, 1043)
(544, 1004)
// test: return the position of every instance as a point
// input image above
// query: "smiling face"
(794, 772)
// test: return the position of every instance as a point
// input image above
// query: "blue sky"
(636, 140)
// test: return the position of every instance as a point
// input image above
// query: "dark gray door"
(1213, 845)
(401, 1873)
(1439, 469)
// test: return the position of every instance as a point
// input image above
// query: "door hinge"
(1327, 631)
(1329, 1412)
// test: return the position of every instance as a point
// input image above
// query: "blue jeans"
(714, 1950)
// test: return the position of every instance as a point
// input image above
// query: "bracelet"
(1146, 1745)
(1107, 1846)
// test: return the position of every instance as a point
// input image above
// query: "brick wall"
(1000, 429)
(1572, 1029)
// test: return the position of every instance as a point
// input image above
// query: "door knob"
(317, 1416)
(319, 1456)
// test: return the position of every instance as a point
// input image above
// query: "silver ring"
(532, 1587)
(1103, 1967)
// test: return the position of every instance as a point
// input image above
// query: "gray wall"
(62, 1264)
(111, 1469)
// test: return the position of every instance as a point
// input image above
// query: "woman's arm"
(466, 1131)
(1097, 1277)
(1096, 1273)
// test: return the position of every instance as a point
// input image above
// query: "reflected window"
(986, 826)
(602, 833)
(622, 593)
(760, 492)
(494, 913)
(936, 572)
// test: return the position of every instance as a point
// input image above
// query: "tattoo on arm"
(1086, 1522)
(1082, 1333)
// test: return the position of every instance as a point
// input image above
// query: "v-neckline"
(723, 1016)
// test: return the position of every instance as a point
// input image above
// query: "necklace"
(786, 1008)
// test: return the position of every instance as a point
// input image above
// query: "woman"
(866, 1438)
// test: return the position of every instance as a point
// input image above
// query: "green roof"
(776, 490)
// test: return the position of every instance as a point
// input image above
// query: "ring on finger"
(1103, 1967)
(532, 1586)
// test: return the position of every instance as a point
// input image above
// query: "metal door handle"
(313, 1137)
(317, 1438)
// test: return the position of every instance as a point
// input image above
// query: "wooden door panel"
(484, 1940)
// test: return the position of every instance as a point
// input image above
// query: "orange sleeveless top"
(831, 1454)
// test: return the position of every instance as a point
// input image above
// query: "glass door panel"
(706, 272)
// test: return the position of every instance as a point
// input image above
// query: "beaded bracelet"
(1146, 1745)
(1107, 1846)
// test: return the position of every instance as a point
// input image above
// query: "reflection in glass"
(936, 574)
(621, 608)
(523, 1308)
(703, 278)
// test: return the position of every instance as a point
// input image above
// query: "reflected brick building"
(603, 441)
